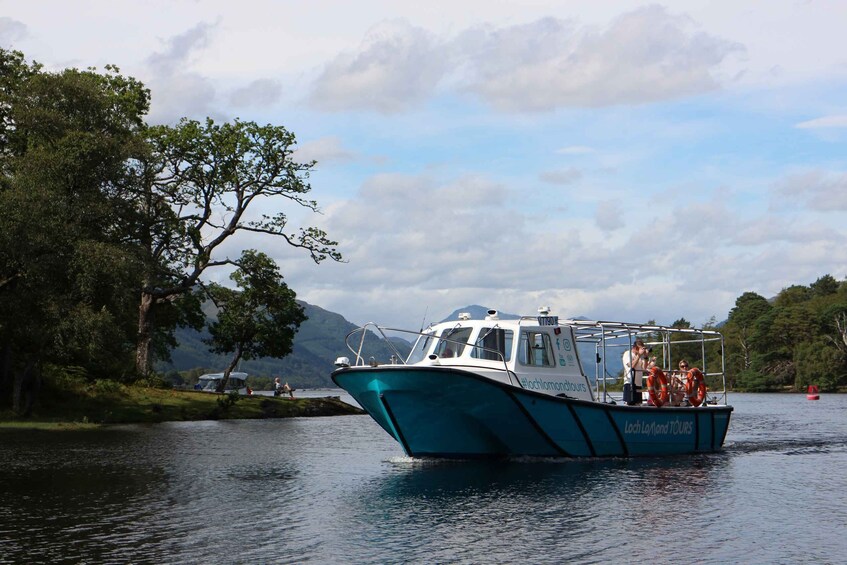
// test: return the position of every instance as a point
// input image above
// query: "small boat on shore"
(209, 382)
(518, 387)
(813, 393)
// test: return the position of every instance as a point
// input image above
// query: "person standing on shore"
(288, 389)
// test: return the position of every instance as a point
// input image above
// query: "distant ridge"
(317, 345)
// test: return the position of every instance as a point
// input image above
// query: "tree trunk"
(25, 390)
(232, 364)
(146, 319)
(6, 378)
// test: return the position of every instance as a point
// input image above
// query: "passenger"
(677, 384)
(447, 352)
(635, 363)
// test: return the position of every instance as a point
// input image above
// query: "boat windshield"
(452, 342)
(420, 349)
(491, 341)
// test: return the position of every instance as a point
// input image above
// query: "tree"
(258, 320)
(834, 323)
(65, 276)
(820, 364)
(824, 286)
(688, 351)
(197, 186)
(740, 328)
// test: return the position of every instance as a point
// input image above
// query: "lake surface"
(338, 490)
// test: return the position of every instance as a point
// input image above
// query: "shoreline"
(137, 405)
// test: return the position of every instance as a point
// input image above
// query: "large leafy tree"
(740, 330)
(259, 319)
(66, 278)
(200, 186)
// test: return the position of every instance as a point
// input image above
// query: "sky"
(617, 160)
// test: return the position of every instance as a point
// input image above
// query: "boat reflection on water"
(602, 504)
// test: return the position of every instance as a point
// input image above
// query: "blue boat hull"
(447, 412)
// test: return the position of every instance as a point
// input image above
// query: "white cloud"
(180, 49)
(642, 56)
(835, 121)
(324, 150)
(11, 31)
(396, 66)
(561, 176)
(178, 91)
(609, 215)
(817, 190)
(416, 243)
(456, 236)
(260, 93)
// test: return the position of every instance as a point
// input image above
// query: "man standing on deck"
(634, 367)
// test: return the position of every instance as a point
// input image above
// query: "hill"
(317, 345)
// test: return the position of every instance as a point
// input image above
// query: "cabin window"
(452, 342)
(420, 349)
(536, 349)
(494, 344)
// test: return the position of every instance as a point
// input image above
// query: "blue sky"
(615, 160)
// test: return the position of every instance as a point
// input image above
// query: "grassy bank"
(134, 404)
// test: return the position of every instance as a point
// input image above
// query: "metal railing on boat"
(398, 358)
(609, 335)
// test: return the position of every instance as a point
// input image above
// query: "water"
(338, 490)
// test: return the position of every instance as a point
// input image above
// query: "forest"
(110, 228)
(782, 343)
(797, 338)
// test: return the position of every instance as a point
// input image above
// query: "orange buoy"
(695, 387)
(657, 386)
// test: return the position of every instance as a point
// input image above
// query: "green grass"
(134, 404)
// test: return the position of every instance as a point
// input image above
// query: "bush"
(65, 379)
(154, 381)
(227, 400)
(751, 380)
(106, 386)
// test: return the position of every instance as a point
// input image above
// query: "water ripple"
(331, 490)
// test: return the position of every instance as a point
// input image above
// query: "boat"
(813, 393)
(492, 387)
(209, 382)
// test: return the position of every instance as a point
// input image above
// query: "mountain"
(317, 345)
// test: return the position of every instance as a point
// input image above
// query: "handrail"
(360, 361)
(621, 335)
(362, 329)
(603, 334)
